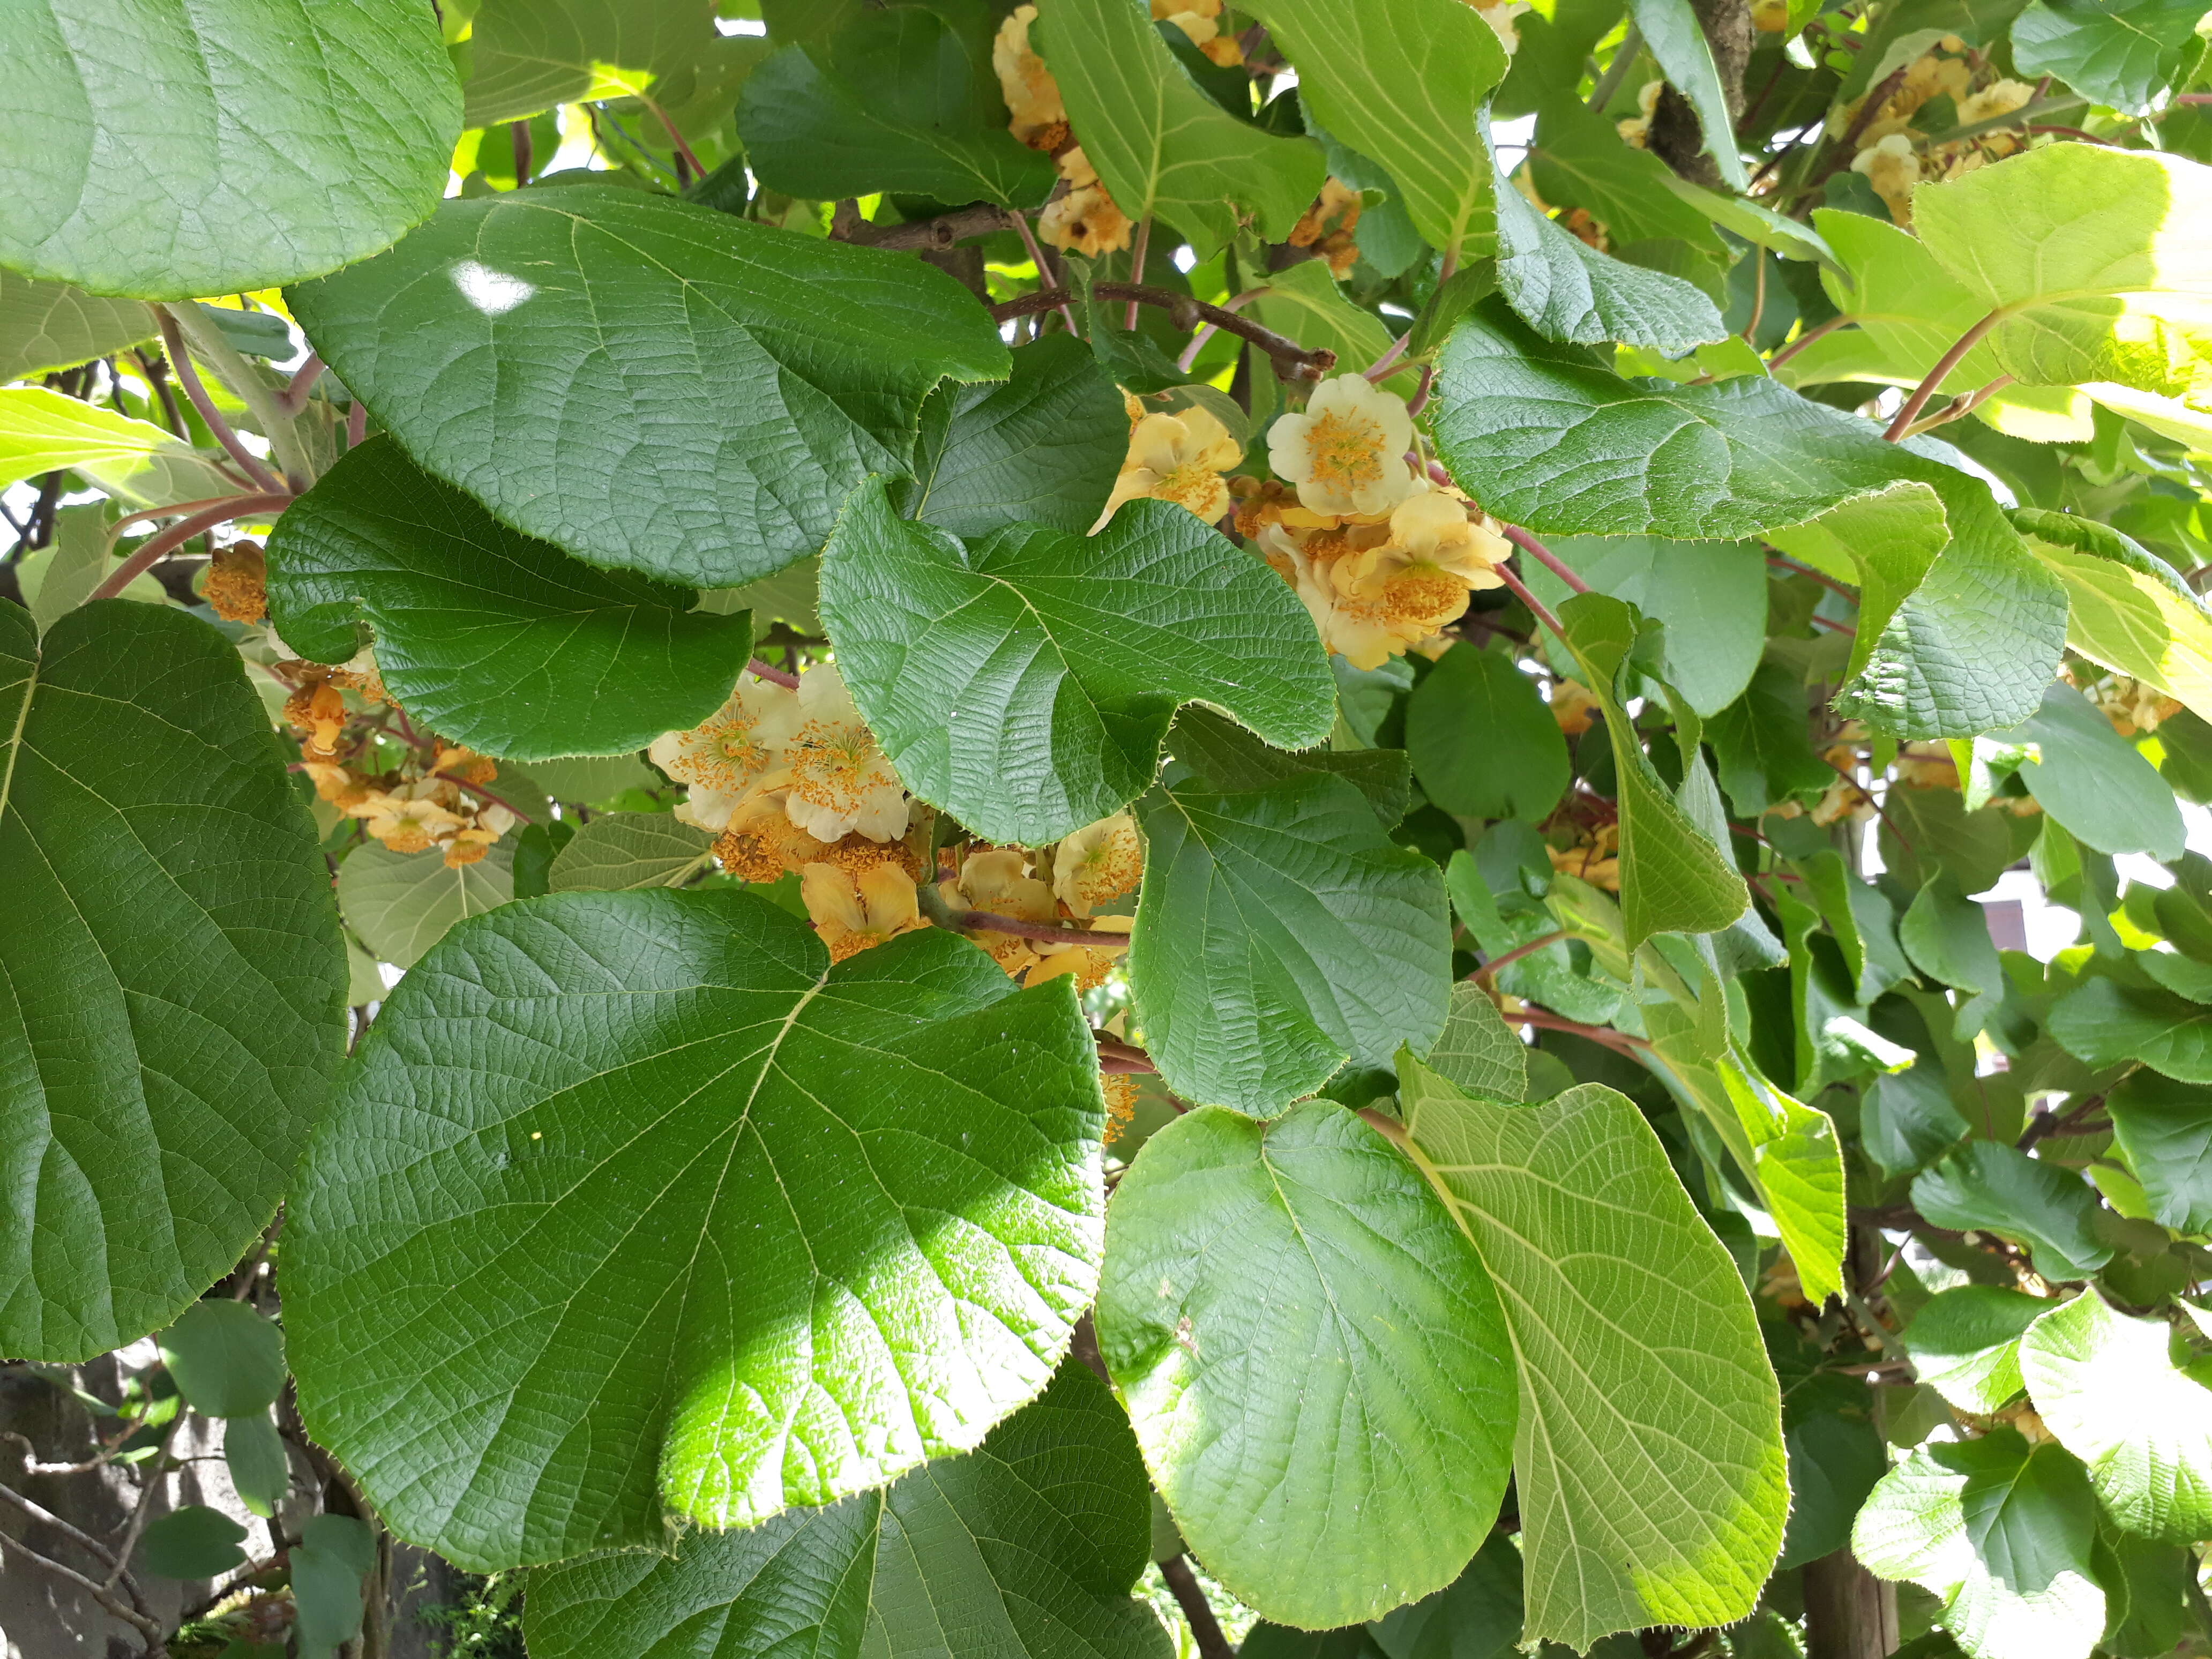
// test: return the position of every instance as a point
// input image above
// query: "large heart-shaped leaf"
(588, 313)
(170, 973)
(492, 638)
(46, 325)
(403, 904)
(2125, 609)
(1648, 1460)
(1024, 681)
(1966, 1344)
(1300, 1270)
(526, 55)
(760, 1231)
(228, 148)
(1280, 932)
(2118, 53)
(2106, 1385)
(1024, 1549)
(1160, 144)
(1567, 290)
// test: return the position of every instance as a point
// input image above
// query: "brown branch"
(156, 1642)
(1197, 1611)
(2046, 1123)
(938, 234)
(177, 534)
(294, 398)
(46, 1517)
(1114, 1056)
(188, 376)
(1537, 608)
(1292, 361)
(1543, 1020)
(773, 676)
(1960, 406)
(1043, 931)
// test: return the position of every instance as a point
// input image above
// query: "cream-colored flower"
(1499, 15)
(835, 777)
(410, 820)
(1573, 708)
(1635, 131)
(1374, 592)
(852, 916)
(1201, 23)
(1998, 98)
(721, 758)
(1346, 451)
(1032, 96)
(1176, 458)
(1893, 168)
(1097, 863)
(1085, 222)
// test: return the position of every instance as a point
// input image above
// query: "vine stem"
(1796, 570)
(1517, 953)
(1122, 1058)
(1959, 407)
(1543, 1020)
(286, 451)
(1624, 58)
(1544, 556)
(1840, 320)
(762, 670)
(294, 398)
(1043, 271)
(177, 534)
(1137, 252)
(188, 375)
(1950, 360)
(1207, 330)
(1292, 360)
(1542, 611)
(1204, 1628)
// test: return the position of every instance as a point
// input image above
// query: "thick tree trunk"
(1849, 1612)
(1676, 137)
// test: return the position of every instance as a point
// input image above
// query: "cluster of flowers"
(434, 796)
(1890, 147)
(1384, 558)
(794, 781)
(2133, 707)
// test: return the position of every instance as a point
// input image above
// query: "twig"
(1382, 366)
(1949, 361)
(34, 1465)
(1137, 252)
(1847, 147)
(1840, 320)
(1121, 1057)
(1875, 1328)
(1197, 1611)
(1043, 269)
(156, 1644)
(294, 398)
(518, 133)
(357, 424)
(1960, 406)
(675, 138)
(1043, 931)
(2046, 1123)
(1536, 606)
(1292, 361)
(177, 534)
(1545, 1020)
(1832, 625)
(938, 234)
(1517, 953)
(189, 377)
(287, 451)
(479, 789)
(40, 1512)
(1624, 58)
(773, 676)
(1551, 561)
(154, 1474)
(1207, 330)
(159, 380)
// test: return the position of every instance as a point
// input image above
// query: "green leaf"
(225, 1358)
(1965, 1343)
(1227, 756)
(618, 852)
(1482, 739)
(1403, 82)
(1280, 932)
(837, 1221)
(1799, 1165)
(2107, 1024)
(586, 311)
(46, 431)
(1161, 146)
(495, 639)
(58, 578)
(1758, 224)
(165, 153)
(2165, 1128)
(1990, 1186)
(1024, 683)
(1763, 743)
(1947, 936)
(1567, 290)
(1672, 877)
(2106, 1385)
(2002, 1533)
(170, 973)
(1974, 847)
(45, 326)
(402, 903)
(1042, 447)
(1024, 1549)
(1649, 1459)
(2093, 781)
(812, 133)
(1709, 596)
(1580, 160)
(192, 1543)
(1477, 1051)
(1677, 43)
(2092, 258)
(260, 1470)
(2125, 609)
(1378, 1343)
(2119, 53)
(334, 1554)
(1304, 302)
(1477, 1616)
(526, 55)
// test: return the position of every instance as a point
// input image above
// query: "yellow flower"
(1635, 131)
(1032, 96)
(409, 821)
(1573, 708)
(1999, 98)
(1347, 452)
(1327, 226)
(852, 916)
(1179, 459)
(1098, 862)
(998, 882)
(1500, 16)
(1769, 16)
(1596, 861)
(1085, 222)
(1201, 23)
(834, 778)
(1892, 169)
(1374, 592)
(723, 756)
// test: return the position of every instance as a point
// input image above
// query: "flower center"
(1345, 451)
